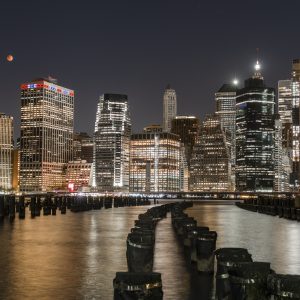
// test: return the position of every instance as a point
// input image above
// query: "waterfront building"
(210, 168)
(16, 170)
(184, 172)
(282, 162)
(295, 87)
(169, 108)
(255, 125)
(111, 144)
(79, 175)
(187, 127)
(225, 109)
(46, 145)
(155, 162)
(83, 147)
(6, 152)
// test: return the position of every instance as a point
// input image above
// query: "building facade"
(210, 168)
(255, 125)
(169, 108)
(295, 87)
(111, 144)
(155, 162)
(6, 152)
(79, 175)
(282, 162)
(187, 127)
(83, 147)
(225, 109)
(46, 144)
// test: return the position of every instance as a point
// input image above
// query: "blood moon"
(9, 58)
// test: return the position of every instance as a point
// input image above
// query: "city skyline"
(183, 52)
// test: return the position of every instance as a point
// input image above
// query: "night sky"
(137, 47)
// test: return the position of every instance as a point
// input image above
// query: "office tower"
(79, 175)
(6, 152)
(47, 116)
(155, 162)
(295, 87)
(255, 105)
(83, 147)
(225, 106)
(225, 109)
(112, 142)
(184, 173)
(210, 164)
(282, 162)
(169, 108)
(187, 127)
(16, 170)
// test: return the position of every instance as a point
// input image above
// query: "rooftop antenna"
(257, 66)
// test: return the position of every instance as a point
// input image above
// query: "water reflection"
(76, 256)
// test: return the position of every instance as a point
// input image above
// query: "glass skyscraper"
(111, 144)
(47, 122)
(169, 108)
(255, 126)
(6, 152)
(225, 109)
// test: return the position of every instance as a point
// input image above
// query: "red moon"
(10, 58)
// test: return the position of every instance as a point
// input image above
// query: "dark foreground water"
(76, 256)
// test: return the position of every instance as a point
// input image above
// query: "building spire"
(257, 67)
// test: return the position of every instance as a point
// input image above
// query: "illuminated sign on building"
(47, 86)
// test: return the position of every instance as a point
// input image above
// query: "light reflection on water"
(76, 256)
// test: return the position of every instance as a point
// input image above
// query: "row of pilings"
(288, 208)
(140, 282)
(237, 275)
(12, 206)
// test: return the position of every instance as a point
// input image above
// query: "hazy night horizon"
(138, 48)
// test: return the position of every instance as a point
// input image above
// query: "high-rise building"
(83, 147)
(225, 109)
(285, 108)
(155, 162)
(112, 142)
(16, 170)
(255, 125)
(6, 152)
(169, 108)
(210, 163)
(295, 87)
(79, 175)
(47, 117)
(282, 162)
(187, 127)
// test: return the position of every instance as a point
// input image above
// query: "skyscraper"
(169, 108)
(112, 142)
(285, 108)
(6, 152)
(210, 163)
(155, 162)
(282, 162)
(187, 127)
(83, 147)
(255, 108)
(47, 116)
(295, 87)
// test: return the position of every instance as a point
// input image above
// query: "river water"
(76, 256)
